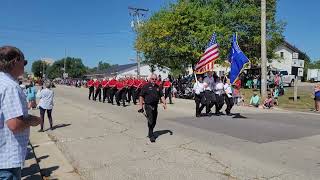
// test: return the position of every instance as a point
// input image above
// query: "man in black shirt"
(149, 96)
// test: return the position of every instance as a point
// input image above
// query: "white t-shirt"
(228, 90)
(198, 87)
(219, 88)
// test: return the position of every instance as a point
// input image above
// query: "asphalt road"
(253, 143)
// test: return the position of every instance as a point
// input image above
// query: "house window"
(281, 55)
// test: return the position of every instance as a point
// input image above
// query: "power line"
(136, 13)
(25, 30)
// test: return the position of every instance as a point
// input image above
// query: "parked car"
(287, 79)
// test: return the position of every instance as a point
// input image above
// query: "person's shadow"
(162, 132)
(59, 126)
(238, 116)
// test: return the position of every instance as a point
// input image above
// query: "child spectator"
(255, 100)
(268, 103)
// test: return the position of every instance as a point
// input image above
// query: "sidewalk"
(49, 159)
(31, 170)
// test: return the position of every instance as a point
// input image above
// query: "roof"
(115, 69)
(293, 48)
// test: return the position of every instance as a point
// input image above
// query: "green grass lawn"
(305, 103)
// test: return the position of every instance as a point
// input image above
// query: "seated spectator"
(268, 102)
(255, 100)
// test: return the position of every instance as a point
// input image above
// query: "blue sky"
(100, 29)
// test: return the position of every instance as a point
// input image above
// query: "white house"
(288, 59)
(130, 70)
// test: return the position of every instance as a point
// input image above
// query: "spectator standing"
(317, 97)
(15, 121)
(31, 96)
(46, 104)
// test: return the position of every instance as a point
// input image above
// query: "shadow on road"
(162, 132)
(239, 116)
(60, 126)
(48, 171)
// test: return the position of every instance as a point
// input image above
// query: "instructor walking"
(149, 97)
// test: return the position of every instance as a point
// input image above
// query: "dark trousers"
(135, 95)
(108, 93)
(10, 174)
(104, 94)
(121, 95)
(152, 114)
(91, 92)
(219, 102)
(42, 112)
(168, 94)
(210, 100)
(112, 94)
(98, 93)
(197, 99)
(129, 93)
(229, 103)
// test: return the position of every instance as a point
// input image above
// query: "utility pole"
(64, 63)
(136, 13)
(263, 51)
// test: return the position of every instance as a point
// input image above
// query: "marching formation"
(123, 90)
(149, 93)
(213, 91)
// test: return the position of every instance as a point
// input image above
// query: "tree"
(103, 66)
(38, 67)
(176, 35)
(74, 68)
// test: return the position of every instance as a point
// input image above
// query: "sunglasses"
(153, 79)
(25, 62)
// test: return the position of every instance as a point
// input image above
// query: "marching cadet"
(97, 85)
(198, 89)
(90, 84)
(219, 91)
(129, 89)
(209, 87)
(121, 93)
(228, 96)
(104, 84)
(149, 98)
(112, 88)
(167, 90)
(135, 92)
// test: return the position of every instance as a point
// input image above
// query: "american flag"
(208, 58)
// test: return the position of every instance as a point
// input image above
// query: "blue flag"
(237, 59)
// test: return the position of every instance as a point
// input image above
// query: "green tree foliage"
(103, 66)
(176, 35)
(74, 68)
(38, 67)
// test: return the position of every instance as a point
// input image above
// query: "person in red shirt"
(97, 85)
(112, 85)
(135, 88)
(121, 92)
(104, 84)
(90, 84)
(130, 82)
(167, 89)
